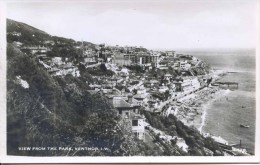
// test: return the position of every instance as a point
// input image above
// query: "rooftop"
(120, 103)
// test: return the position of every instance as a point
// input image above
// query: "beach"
(220, 111)
(223, 117)
(193, 109)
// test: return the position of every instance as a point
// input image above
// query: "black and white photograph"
(163, 79)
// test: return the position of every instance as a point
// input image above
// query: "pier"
(225, 83)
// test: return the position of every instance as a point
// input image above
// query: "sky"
(154, 24)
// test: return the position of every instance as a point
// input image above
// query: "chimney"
(123, 90)
(130, 99)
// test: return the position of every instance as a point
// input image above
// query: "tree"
(103, 67)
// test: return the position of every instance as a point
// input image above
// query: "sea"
(237, 106)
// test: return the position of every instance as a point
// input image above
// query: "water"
(225, 115)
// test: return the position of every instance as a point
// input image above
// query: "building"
(57, 60)
(124, 108)
(185, 65)
(89, 59)
(178, 84)
(155, 59)
(143, 59)
(170, 53)
(17, 43)
(176, 65)
(130, 57)
(49, 42)
(35, 49)
(138, 124)
(163, 89)
(168, 76)
(15, 33)
(190, 84)
(128, 109)
(141, 98)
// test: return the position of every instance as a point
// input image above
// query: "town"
(133, 79)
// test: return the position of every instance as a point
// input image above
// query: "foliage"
(29, 34)
(136, 68)
(174, 127)
(134, 83)
(57, 112)
(103, 67)
(97, 71)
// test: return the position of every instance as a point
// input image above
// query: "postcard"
(173, 81)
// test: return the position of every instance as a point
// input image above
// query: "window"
(135, 133)
(134, 122)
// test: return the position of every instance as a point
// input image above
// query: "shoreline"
(199, 103)
(205, 106)
(193, 109)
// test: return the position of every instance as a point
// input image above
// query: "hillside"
(28, 33)
(44, 109)
(55, 112)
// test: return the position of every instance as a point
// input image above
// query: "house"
(167, 76)
(120, 59)
(178, 84)
(57, 60)
(112, 81)
(185, 57)
(106, 89)
(170, 53)
(138, 124)
(190, 84)
(153, 104)
(185, 65)
(141, 98)
(89, 59)
(130, 57)
(143, 58)
(124, 108)
(176, 65)
(35, 49)
(155, 59)
(42, 56)
(195, 83)
(49, 42)
(128, 109)
(17, 43)
(15, 33)
(141, 90)
(163, 89)
(163, 65)
(154, 82)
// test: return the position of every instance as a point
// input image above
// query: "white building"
(163, 89)
(190, 84)
(57, 60)
(138, 125)
(185, 65)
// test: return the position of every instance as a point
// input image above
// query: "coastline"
(193, 110)
(206, 106)
(196, 106)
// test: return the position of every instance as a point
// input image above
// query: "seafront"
(192, 110)
(190, 106)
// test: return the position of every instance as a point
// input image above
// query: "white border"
(135, 159)
(2, 79)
